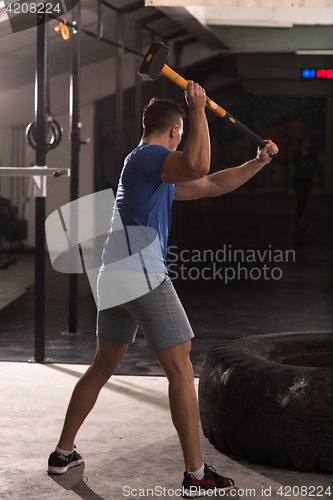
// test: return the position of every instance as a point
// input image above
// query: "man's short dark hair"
(160, 115)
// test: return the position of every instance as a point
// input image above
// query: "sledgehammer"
(154, 64)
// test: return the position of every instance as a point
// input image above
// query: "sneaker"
(212, 483)
(59, 464)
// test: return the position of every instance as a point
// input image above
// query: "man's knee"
(176, 362)
(107, 358)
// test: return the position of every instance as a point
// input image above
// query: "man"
(153, 175)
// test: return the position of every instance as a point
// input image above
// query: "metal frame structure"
(40, 172)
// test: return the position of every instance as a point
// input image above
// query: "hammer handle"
(222, 113)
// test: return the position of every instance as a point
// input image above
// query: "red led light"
(324, 73)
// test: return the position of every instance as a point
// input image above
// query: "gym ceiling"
(262, 41)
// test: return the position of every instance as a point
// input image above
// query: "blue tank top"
(143, 200)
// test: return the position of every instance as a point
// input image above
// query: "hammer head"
(154, 61)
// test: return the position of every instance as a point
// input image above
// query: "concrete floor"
(128, 442)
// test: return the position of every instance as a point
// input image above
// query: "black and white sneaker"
(59, 464)
(211, 485)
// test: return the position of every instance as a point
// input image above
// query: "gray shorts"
(159, 314)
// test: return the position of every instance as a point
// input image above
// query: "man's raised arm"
(227, 180)
(194, 161)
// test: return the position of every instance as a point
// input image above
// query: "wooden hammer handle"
(222, 113)
(182, 83)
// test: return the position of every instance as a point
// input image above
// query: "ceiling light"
(315, 52)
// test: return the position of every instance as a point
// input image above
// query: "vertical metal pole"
(75, 137)
(11, 195)
(178, 50)
(100, 19)
(119, 94)
(41, 131)
(17, 162)
(329, 146)
(138, 81)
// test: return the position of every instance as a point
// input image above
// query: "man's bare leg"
(177, 366)
(107, 358)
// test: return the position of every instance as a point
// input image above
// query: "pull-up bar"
(34, 172)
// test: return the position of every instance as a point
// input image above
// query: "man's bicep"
(175, 170)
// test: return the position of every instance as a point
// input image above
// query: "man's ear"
(173, 131)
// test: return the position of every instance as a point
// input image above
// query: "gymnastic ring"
(269, 398)
(57, 135)
(55, 139)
